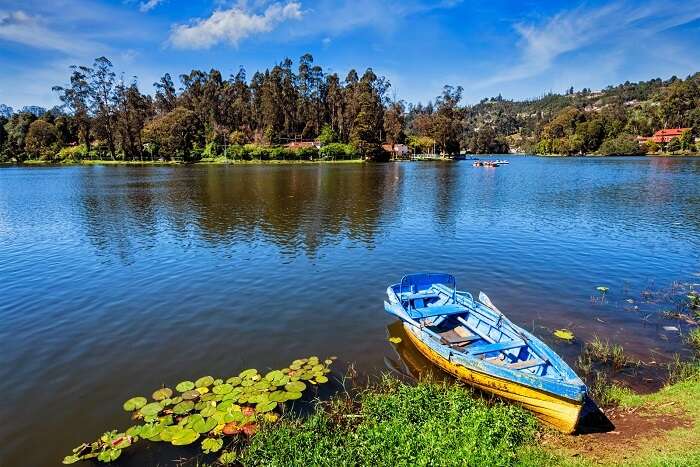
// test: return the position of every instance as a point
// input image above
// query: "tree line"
(104, 116)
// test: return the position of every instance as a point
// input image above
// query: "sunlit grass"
(399, 424)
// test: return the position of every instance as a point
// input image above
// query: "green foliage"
(398, 424)
(337, 151)
(42, 140)
(649, 147)
(328, 135)
(72, 153)
(621, 145)
(693, 339)
(673, 145)
(175, 134)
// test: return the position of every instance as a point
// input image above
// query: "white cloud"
(232, 25)
(149, 5)
(22, 28)
(613, 28)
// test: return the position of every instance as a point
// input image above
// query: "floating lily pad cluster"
(208, 409)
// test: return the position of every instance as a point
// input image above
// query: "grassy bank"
(446, 424)
(399, 424)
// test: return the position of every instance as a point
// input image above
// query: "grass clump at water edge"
(398, 424)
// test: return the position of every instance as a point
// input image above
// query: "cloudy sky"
(518, 48)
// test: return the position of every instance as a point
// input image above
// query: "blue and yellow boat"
(472, 340)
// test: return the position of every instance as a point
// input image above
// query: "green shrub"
(621, 145)
(72, 153)
(337, 151)
(305, 154)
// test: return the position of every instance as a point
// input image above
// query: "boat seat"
(443, 310)
(459, 340)
(525, 364)
(414, 296)
(497, 347)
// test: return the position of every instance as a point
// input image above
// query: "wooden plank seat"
(452, 338)
(497, 347)
(525, 364)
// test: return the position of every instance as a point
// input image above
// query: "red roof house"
(667, 134)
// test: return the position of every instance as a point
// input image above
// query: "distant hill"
(581, 121)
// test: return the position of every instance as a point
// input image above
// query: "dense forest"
(207, 116)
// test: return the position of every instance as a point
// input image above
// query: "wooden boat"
(476, 343)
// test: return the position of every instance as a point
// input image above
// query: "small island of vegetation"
(304, 114)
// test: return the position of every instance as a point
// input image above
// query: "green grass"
(399, 424)
(444, 424)
(693, 339)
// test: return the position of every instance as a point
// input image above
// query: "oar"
(399, 312)
(483, 298)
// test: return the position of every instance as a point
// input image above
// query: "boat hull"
(561, 413)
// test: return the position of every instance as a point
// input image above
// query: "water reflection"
(297, 209)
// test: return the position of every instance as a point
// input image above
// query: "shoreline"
(88, 162)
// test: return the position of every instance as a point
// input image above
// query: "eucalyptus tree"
(76, 100)
(102, 92)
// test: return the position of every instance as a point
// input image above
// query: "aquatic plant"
(603, 352)
(693, 339)
(208, 409)
(564, 334)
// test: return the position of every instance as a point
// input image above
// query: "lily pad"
(564, 334)
(222, 389)
(185, 437)
(203, 425)
(109, 455)
(293, 395)
(273, 375)
(208, 411)
(204, 381)
(263, 407)
(185, 386)
(151, 409)
(234, 381)
(210, 445)
(150, 430)
(162, 393)
(72, 459)
(191, 394)
(321, 379)
(170, 431)
(134, 430)
(249, 373)
(232, 428)
(183, 407)
(135, 403)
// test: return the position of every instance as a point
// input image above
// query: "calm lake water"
(116, 280)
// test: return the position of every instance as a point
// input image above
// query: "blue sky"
(520, 49)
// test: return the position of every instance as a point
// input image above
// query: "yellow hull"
(556, 411)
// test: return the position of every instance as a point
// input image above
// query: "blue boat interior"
(470, 328)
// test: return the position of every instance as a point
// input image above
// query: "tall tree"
(102, 87)
(76, 99)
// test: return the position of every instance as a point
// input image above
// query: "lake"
(115, 280)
